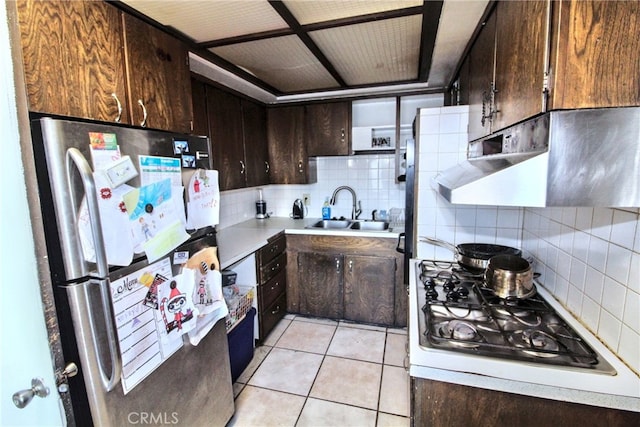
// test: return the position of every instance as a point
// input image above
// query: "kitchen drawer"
(271, 250)
(274, 287)
(271, 269)
(272, 314)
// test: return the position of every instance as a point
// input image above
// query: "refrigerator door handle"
(86, 174)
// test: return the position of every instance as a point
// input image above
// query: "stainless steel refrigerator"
(191, 386)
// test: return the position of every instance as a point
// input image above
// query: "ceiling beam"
(293, 23)
(431, 11)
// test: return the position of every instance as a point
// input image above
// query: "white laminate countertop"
(240, 240)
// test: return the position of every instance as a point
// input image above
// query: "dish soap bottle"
(326, 209)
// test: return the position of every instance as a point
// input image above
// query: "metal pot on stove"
(474, 257)
(510, 277)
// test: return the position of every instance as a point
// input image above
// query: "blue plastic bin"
(241, 344)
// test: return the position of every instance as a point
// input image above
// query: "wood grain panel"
(256, 153)
(368, 289)
(598, 54)
(287, 150)
(439, 404)
(481, 66)
(225, 126)
(158, 74)
(73, 60)
(328, 129)
(520, 63)
(320, 286)
(199, 102)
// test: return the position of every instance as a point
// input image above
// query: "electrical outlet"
(306, 199)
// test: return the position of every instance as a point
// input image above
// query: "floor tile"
(276, 332)
(394, 392)
(388, 420)
(322, 413)
(401, 331)
(353, 382)
(262, 408)
(395, 350)
(287, 370)
(307, 336)
(317, 320)
(259, 354)
(349, 324)
(358, 344)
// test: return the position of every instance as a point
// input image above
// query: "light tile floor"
(319, 372)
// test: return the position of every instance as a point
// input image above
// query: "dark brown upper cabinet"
(290, 163)
(256, 153)
(328, 129)
(158, 73)
(535, 56)
(73, 59)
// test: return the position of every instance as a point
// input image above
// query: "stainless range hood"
(587, 157)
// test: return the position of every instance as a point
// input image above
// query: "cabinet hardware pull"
(266, 164)
(342, 135)
(143, 123)
(242, 167)
(119, 116)
(275, 267)
(273, 249)
(337, 265)
(276, 311)
(300, 167)
(350, 266)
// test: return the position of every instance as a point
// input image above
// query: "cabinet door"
(328, 127)
(481, 67)
(254, 132)
(369, 287)
(521, 37)
(199, 103)
(225, 126)
(158, 76)
(73, 60)
(598, 51)
(320, 284)
(287, 151)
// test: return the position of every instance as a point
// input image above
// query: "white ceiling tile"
(374, 52)
(307, 12)
(283, 62)
(211, 20)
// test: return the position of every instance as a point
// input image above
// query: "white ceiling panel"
(283, 62)
(307, 12)
(375, 52)
(213, 19)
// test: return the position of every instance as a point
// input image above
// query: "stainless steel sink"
(370, 225)
(332, 224)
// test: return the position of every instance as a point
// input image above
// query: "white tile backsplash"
(598, 264)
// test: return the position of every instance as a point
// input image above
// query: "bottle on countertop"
(326, 209)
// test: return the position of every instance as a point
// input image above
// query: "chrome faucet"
(355, 211)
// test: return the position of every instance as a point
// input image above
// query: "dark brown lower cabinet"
(440, 404)
(335, 277)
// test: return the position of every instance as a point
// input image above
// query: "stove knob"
(462, 291)
(448, 285)
(453, 296)
(429, 283)
(431, 294)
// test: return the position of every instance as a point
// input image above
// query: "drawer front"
(270, 316)
(272, 250)
(268, 271)
(274, 287)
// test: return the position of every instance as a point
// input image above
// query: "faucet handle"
(359, 210)
(373, 214)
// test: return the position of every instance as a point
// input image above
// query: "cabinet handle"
(274, 249)
(276, 311)
(350, 266)
(275, 286)
(342, 135)
(266, 167)
(275, 267)
(242, 167)
(143, 123)
(337, 265)
(119, 116)
(300, 167)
